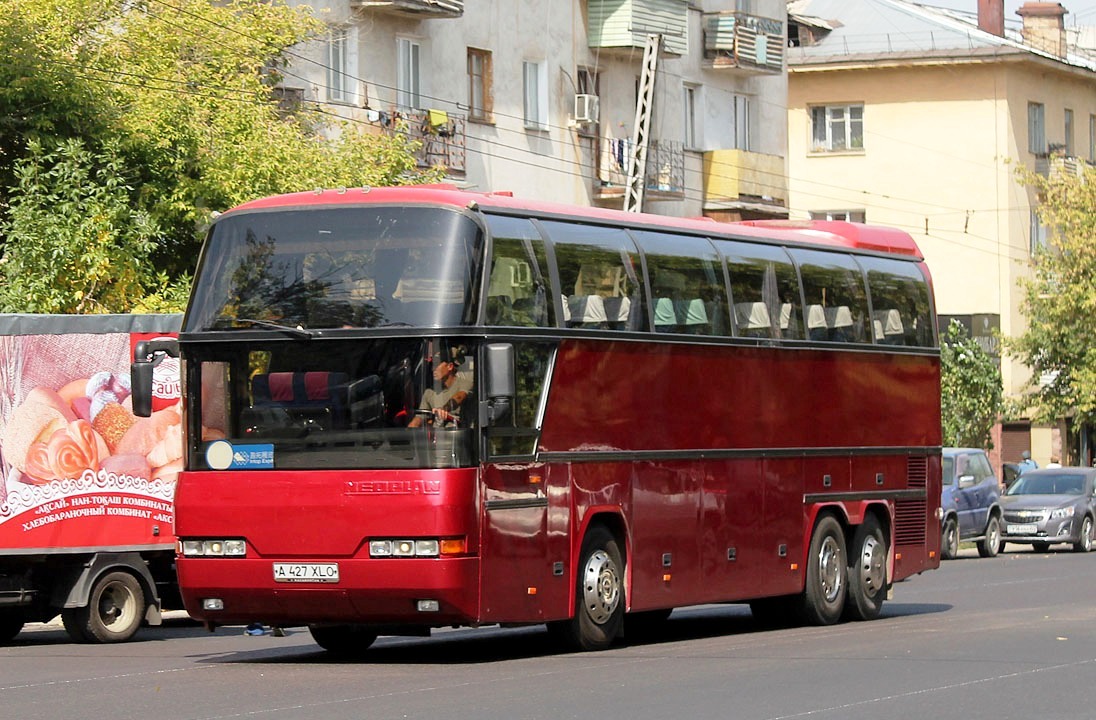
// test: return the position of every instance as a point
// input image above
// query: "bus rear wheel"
(599, 595)
(114, 612)
(343, 640)
(823, 599)
(867, 571)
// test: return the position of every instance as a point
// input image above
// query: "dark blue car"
(971, 503)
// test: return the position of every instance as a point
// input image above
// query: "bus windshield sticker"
(223, 455)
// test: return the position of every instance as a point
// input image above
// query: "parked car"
(1051, 505)
(970, 501)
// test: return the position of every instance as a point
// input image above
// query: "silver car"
(1050, 505)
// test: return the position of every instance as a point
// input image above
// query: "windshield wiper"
(298, 331)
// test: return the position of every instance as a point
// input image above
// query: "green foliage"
(175, 97)
(76, 244)
(1059, 301)
(971, 390)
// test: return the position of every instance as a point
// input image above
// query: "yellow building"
(915, 117)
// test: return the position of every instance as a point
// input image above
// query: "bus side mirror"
(146, 356)
(500, 383)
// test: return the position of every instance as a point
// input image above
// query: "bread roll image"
(40, 415)
(135, 466)
(146, 432)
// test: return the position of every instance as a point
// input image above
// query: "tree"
(970, 388)
(1059, 301)
(176, 97)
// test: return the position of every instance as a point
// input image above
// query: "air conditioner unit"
(586, 109)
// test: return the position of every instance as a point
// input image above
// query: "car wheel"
(1084, 543)
(991, 543)
(949, 540)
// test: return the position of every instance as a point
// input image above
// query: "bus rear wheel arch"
(599, 594)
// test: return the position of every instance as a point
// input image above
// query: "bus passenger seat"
(839, 322)
(753, 319)
(890, 329)
(696, 317)
(587, 311)
(617, 310)
(816, 323)
(312, 397)
(665, 317)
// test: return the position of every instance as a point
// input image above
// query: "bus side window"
(901, 309)
(518, 293)
(687, 287)
(834, 283)
(764, 290)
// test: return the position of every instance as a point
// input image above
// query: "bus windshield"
(384, 403)
(337, 267)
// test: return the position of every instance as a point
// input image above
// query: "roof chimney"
(1044, 26)
(991, 16)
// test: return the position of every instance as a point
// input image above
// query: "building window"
(1039, 233)
(1069, 133)
(408, 88)
(479, 85)
(743, 136)
(340, 87)
(849, 215)
(837, 128)
(690, 103)
(1092, 138)
(535, 84)
(1037, 129)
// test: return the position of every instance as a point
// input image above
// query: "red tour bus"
(416, 407)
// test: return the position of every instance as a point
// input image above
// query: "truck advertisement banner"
(80, 470)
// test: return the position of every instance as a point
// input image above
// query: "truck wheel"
(823, 599)
(949, 540)
(11, 622)
(599, 595)
(867, 571)
(343, 640)
(991, 543)
(115, 610)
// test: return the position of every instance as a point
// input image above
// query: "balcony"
(1056, 164)
(622, 26)
(442, 135)
(748, 44)
(420, 9)
(741, 180)
(665, 177)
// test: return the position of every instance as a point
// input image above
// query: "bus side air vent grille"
(917, 472)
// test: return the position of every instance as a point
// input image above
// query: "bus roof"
(828, 233)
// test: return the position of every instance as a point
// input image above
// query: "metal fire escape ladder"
(637, 161)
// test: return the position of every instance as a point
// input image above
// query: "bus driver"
(449, 391)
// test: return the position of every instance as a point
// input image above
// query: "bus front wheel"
(599, 595)
(867, 571)
(823, 599)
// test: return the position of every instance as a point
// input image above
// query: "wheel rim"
(994, 535)
(1086, 534)
(951, 538)
(600, 587)
(829, 569)
(117, 606)
(872, 571)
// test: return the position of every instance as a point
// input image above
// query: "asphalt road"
(1009, 637)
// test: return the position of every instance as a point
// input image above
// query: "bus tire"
(11, 622)
(823, 598)
(114, 611)
(599, 595)
(343, 640)
(867, 571)
(949, 539)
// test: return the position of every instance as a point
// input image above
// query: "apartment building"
(543, 98)
(907, 115)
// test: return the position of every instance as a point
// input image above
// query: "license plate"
(1022, 529)
(306, 572)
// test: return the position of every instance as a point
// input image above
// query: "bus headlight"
(417, 547)
(213, 548)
